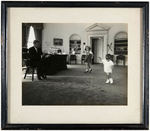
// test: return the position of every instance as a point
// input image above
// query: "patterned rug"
(74, 87)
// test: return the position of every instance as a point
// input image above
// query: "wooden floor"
(74, 87)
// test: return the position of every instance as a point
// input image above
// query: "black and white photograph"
(74, 63)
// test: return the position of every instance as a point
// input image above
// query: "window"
(31, 37)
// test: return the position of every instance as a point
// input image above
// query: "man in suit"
(35, 53)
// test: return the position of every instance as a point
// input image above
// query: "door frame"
(105, 41)
(101, 50)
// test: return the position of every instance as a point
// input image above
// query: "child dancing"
(108, 67)
(88, 59)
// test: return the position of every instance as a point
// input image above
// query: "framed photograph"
(75, 65)
(58, 42)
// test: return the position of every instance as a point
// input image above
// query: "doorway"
(97, 49)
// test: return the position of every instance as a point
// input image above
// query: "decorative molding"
(121, 35)
(74, 37)
(97, 27)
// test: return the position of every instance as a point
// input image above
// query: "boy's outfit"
(108, 65)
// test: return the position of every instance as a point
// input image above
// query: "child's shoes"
(111, 81)
(107, 81)
(90, 70)
(86, 71)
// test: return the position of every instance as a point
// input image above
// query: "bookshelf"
(76, 46)
(121, 47)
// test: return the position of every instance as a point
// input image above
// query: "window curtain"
(25, 32)
(38, 32)
(25, 35)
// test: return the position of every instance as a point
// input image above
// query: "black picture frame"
(145, 32)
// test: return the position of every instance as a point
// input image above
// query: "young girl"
(108, 67)
(88, 59)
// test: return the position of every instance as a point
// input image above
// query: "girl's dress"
(88, 57)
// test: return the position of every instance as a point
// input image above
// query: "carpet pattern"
(74, 87)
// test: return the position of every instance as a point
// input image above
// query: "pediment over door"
(97, 28)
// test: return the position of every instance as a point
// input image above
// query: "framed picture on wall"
(58, 42)
(41, 90)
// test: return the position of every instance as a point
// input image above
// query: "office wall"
(65, 30)
(115, 29)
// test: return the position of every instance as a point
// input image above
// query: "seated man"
(35, 53)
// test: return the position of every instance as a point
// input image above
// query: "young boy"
(108, 67)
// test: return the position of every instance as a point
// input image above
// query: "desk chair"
(73, 58)
(27, 63)
(120, 57)
(29, 68)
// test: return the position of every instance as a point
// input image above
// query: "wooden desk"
(54, 63)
